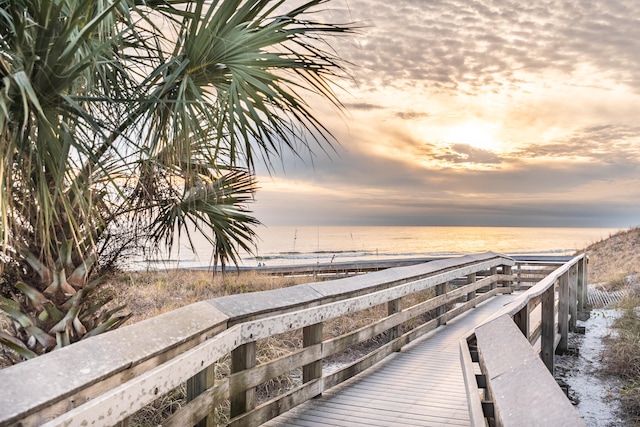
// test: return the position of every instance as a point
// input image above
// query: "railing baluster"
(548, 328)
(494, 271)
(441, 289)
(573, 295)
(312, 335)
(198, 384)
(563, 312)
(393, 307)
(582, 285)
(522, 319)
(471, 278)
(243, 357)
(506, 270)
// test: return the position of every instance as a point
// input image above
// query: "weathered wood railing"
(515, 351)
(107, 379)
(529, 270)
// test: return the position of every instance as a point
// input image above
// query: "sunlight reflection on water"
(292, 245)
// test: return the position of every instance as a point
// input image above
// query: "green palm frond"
(149, 114)
(220, 204)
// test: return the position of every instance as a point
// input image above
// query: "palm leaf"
(16, 345)
(37, 299)
(107, 118)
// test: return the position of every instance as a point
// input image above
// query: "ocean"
(301, 245)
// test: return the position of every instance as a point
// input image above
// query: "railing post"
(573, 297)
(471, 278)
(494, 271)
(582, 288)
(243, 357)
(393, 307)
(522, 319)
(441, 289)
(548, 328)
(312, 335)
(506, 270)
(563, 312)
(197, 385)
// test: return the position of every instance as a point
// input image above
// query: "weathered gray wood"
(376, 356)
(573, 297)
(582, 289)
(420, 386)
(582, 285)
(441, 289)
(120, 402)
(521, 319)
(272, 409)
(296, 308)
(393, 307)
(476, 416)
(471, 304)
(200, 407)
(471, 278)
(196, 385)
(548, 328)
(243, 357)
(100, 364)
(519, 381)
(263, 328)
(536, 333)
(563, 311)
(312, 335)
(539, 288)
(257, 305)
(507, 271)
(494, 271)
(257, 375)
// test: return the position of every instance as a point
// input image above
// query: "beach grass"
(614, 264)
(151, 293)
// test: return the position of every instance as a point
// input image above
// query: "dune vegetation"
(614, 264)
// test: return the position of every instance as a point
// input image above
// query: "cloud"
(365, 106)
(463, 153)
(411, 115)
(481, 45)
(607, 143)
(559, 83)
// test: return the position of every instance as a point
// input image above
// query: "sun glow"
(476, 133)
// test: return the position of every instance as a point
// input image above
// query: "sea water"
(300, 245)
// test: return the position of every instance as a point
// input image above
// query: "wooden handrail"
(105, 379)
(497, 346)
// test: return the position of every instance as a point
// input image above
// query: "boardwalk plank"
(420, 386)
(378, 418)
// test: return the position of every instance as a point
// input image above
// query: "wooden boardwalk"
(420, 386)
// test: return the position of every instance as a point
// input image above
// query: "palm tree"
(143, 115)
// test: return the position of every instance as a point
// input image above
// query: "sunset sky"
(463, 112)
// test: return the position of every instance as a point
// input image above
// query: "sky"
(474, 112)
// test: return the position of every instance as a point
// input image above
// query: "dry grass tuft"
(614, 264)
(622, 356)
(614, 258)
(149, 294)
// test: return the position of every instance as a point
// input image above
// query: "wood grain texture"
(422, 385)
